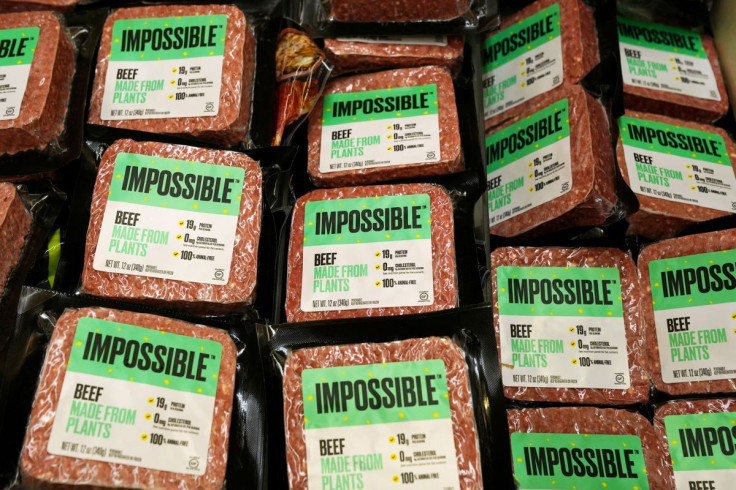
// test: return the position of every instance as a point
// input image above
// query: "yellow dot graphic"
(147, 416)
(144, 437)
(166, 381)
(150, 400)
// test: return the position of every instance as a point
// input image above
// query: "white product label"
(373, 252)
(694, 304)
(562, 327)
(522, 61)
(170, 219)
(155, 415)
(661, 57)
(380, 128)
(386, 443)
(678, 164)
(17, 47)
(529, 163)
(438, 40)
(165, 68)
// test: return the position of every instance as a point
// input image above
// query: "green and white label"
(137, 396)
(529, 163)
(562, 327)
(522, 61)
(678, 164)
(703, 449)
(694, 302)
(380, 128)
(379, 425)
(370, 252)
(171, 219)
(552, 461)
(17, 47)
(412, 40)
(662, 57)
(165, 67)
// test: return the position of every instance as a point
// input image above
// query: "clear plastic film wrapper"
(358, 54)
(392, 268)
(464, 446)
(209, 232)
(688, 313)
(565, 49)
(552, 168)
(689, 177)
(626, 436)
(419, 139)
(42, 463)
(25, 5)
(568, 325)
(207, 90)
(301, 73)
(681, 427)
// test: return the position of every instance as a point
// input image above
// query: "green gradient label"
(142, 355)
(660, 36)
(17, 46)
(702, 441)
(559, 291)
(375, 394)
(168, 38)
(372, 105)
(584, 461)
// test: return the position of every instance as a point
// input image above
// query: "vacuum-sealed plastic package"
(371, 251)
(585, 447)
(552, 168)
(174, 225)
(688, 302)
(386, 125)
(434, 403)
(670, 70)
(15, 225)
(125, 385)
(545, 45)
(681, 172)
(37, 71)
(179, 70)
(568, 325)
(372, 53)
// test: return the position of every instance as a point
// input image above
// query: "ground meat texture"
(352, 55)
(443, 252)
(591, 420)
(39, 468)
(686, 407)
(678, 247)
(461, 403)
(15, 223)
(240, 289)
(659, 218)
(229, 126)
(397, 10)
(638, 391)
(681, 106)
(579, 47)
(592, 195)
(42, 112)
(451, 158)
(17, 5)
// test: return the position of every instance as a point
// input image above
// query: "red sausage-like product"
(108, 377)
(207, 74)
(386, 125)
(681, 172)
(670, 70)
(37, 78)
(689, 312)
(445, 441)
(585, 448)
(568, 325)
(174, 225)
(539, 49)
(371, 251)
